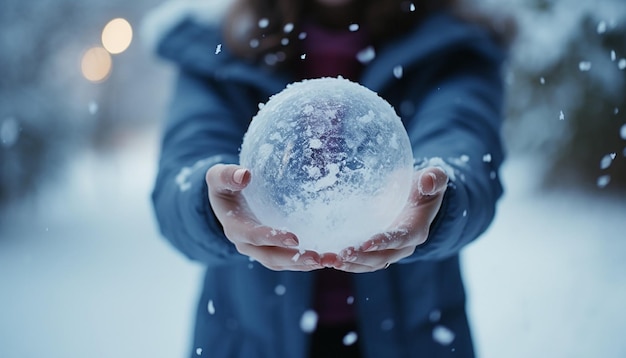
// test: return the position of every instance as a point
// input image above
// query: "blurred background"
(84, 271)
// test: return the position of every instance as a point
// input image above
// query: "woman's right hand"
(273, 248)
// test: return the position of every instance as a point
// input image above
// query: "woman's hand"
(274, 249)
(409, 230)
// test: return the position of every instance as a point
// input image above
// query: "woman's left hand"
(409, 230)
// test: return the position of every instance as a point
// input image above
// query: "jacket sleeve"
(201, 130)
(459, 124)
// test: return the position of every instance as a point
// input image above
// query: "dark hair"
(262, 29)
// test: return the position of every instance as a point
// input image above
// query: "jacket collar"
(191, 37)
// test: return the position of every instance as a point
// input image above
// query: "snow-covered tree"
(567, 98)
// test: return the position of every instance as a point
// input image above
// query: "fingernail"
(430, 188)
(290, 241)
(311, 262)
(350, 258)
(239, 175)
(372, 248)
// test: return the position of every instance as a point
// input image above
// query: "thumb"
(432, 180)
(227, 178)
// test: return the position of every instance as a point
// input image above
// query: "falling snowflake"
(366, 55)
(398, 71)
(308, 321)
(584, 66)
(561, 116)
(9, 132)
(607, 160)
(435, 315)
(93, 107)
(387, 324)
(443, 335)
(621, 64)
(211, 307)
(350, 338)
(264, 22)
(603, 181)
(353, 27)
(601, 27)
(218, 49)
(280, 290)
(198, 351)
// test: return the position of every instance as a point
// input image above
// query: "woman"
(440, 71)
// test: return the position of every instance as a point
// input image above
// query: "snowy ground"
(83, 272)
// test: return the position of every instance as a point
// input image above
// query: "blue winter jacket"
(449, 98)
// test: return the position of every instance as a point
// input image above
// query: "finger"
(281, 259)
(227, 178)
(360, 261)
(239, 223)
(431, 180)
(241, 227)
(412, 226)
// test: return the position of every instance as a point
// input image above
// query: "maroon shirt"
(330, 53)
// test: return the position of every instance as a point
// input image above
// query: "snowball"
(338, 172)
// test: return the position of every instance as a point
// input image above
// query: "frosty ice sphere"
(330, 161)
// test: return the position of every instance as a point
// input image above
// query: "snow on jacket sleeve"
(459, 121)
(202, 130)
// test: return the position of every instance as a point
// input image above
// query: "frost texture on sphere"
(330, 162)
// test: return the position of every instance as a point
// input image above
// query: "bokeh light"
(96, 64)
(117, 36)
